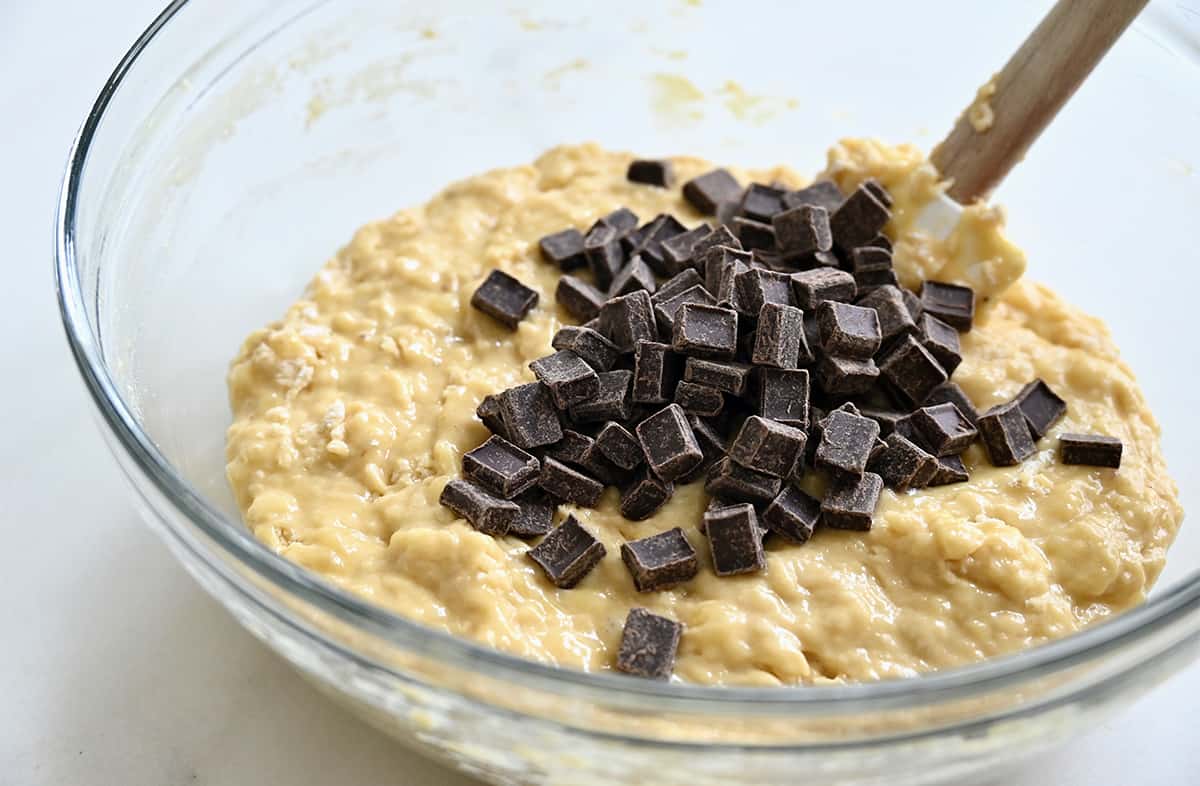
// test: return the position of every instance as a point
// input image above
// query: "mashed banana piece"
(352, 412)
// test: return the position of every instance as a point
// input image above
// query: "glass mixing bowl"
(238, 144)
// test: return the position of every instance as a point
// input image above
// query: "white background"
(114, 667)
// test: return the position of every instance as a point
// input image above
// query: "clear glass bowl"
(240, 143)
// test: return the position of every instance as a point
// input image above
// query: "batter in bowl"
(353, 411)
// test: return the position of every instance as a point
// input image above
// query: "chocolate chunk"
(680, 282)
(913, 303)
(858, 219)
(619, 446)
(735, 540)
(666, 310)
(803, 230)
(903, 464)
(870, 280)
(894, 319)
(761, 202)
(634, 276)
(846, 443)
(572, 448)
(727, 211)
(570, 379)
(850, 502)
(705, 331)
(731, 480)
(623, 220)
(725, 376)
(942, 342)
(648, 645)
(1093, 450)
(503, 298)
(1006, 434)
(783, 395)
(813, 287)
(677, 250)
(488, 411)
(660, 561)
(848, 331)
(602, 247)
(720, 237)
(823, 193)
(500, 467)
(712, 444)
(699, 399)
(529, 416)
(911, 370)
(869, 259)
(596, 350)
(946, 430)
(757, 287)
(721, 265)
(628, 319)
(951, 303)
(580, 299)
(642, 496)
(536, 516)
(767, 446)
(846, 376)
(564, 249)
(569, 485)
(1041, 407)
(568, 553)
(651, 173)
(951, 393)
(650, 240)
(793, 514)
(711, 189)
(886, 417)
(611, 403)
(754, 234)
(485, 512)
(950, 469)
(596, 465)
(874, 186)
(655, 373)
(668, 442)
(779, 338)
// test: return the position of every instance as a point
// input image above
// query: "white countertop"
(116, 667)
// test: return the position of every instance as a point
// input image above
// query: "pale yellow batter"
(352, 412)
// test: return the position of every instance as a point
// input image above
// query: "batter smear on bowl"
(724, 425)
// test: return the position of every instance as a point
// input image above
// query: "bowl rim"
(1158, 613)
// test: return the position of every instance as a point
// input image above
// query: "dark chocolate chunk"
(869, 259)
(870, 280)
(823, 193)
(648, 645)
(668, 442)
(754, 234)
(950, 469)
(846, 443)
(813, 287)
(885, 416)
(568, 553)
(727, 211)
(503, 298)
(488, 411)
(848, 331)
(564, 249)
(783, 395)
(874, 186)
(613, 402)
(951, 393)
(1092, 450)
(628, 319)
(599, 467)
(761, 202)
(946, 430)
(650, 240)
(622, 219)
(580, 299)
(1041, 407)
(680, 282)
(846, 376)
(707, 191)
(705, 331)
(735, 539)
(720, 237)
(767, 446)
(942, 342)
(655, 373)
(725, 376)
(569, 485)
(660, 561)
(644, 495)
(712, 444)
(500, 467)
(913, 303)
(602, 247)
(793, 514)
(1005, 434)
(757, 287)
(536, 516)
(665, 310)
(699, 399)
(570, 379)
(894, 319)
(803, 230)
(677, 250)
(651, 173)
(779, 341)
(911, 370)
(529, 416)
(619, 446)
(850, 502)
(634, 276)
(903, 464)
(882, 241)
(596, 350)
(572, 448)
(731, 480)
(485, 511)
(951, 303)
(721, 265)
(858, 219)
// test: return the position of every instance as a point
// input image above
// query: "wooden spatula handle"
(1033, 86)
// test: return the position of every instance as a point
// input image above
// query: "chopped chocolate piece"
(903, 464)
(823, 193)
(599, 467)
(911, 370)
(642, 496)
(500, 467)
(660, 561)
(699, 399)
(780, 337)
(503, 298)
(858, 219)
(705, 331)
(711, 189)
(870, 280)
(913, 303)
(665, 310)
(580, 299)
(754, 234)
(813, 287)
(1006, 434)
(720, 237)
(870, 259)
(757, 287)
(651, 173)
(596, 350)
(873, 185)
(942, 342)
(803, 230)
(602, 247)
(894, 319)
(679, 283)
(529, 416)
(655, 373)
(848, 331)
(622, 219)
(725, 376)
(793, 514)
(951, 303)
(882, 241)
(1092, 450)
(946, 430)
(568, 553)
(650, 240)
(783, 395)
(846, 443)
(619, 446)
(721, 265)
(761, 203)
(488, 411)
(732, 481)
(611, 403)
(712, 444)
(628, 319)
(735, 540)
(767, 446)
(1041, 407)
(536, 516)
(727, 211)
(850, 502)
(572, 448)
(846, 376)
(950, 469)
(570, 379)
(885, 417)
(564, 249)
(670, 446)
(634, 276)
(569, 485)
(487, 513)
(951, 393)
(677, 250)
(648, 645)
